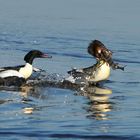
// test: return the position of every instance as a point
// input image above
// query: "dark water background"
(64, 29)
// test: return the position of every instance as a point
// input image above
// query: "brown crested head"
(98, 50)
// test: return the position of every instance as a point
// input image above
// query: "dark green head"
(30, 56)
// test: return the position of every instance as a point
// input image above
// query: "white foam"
(71, 79)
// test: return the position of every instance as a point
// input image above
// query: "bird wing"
(76, 72)
(83, 71)
(11, 68)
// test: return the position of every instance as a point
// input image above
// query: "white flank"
(10, 73)
(26, 71)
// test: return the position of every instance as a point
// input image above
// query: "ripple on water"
(44, 135)
(50, 113)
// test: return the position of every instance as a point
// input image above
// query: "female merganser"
(99, 71)
(100, 52)
(19, 74)
(90, 75)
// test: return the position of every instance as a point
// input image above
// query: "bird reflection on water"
(98, 105)
(24, 96)
(30, 91)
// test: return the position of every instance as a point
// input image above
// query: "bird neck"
(26, 71)
(100, 63)
(30, 61)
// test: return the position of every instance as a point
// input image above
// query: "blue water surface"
(64, 29)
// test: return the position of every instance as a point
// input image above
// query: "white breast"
(26, 71)
(102, 73)
(10, 73)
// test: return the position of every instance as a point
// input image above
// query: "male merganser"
(99, 71)
(19, 74)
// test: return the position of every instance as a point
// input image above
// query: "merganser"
(99, 71)
(100, 52)
(19, 74)
(93, 74)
